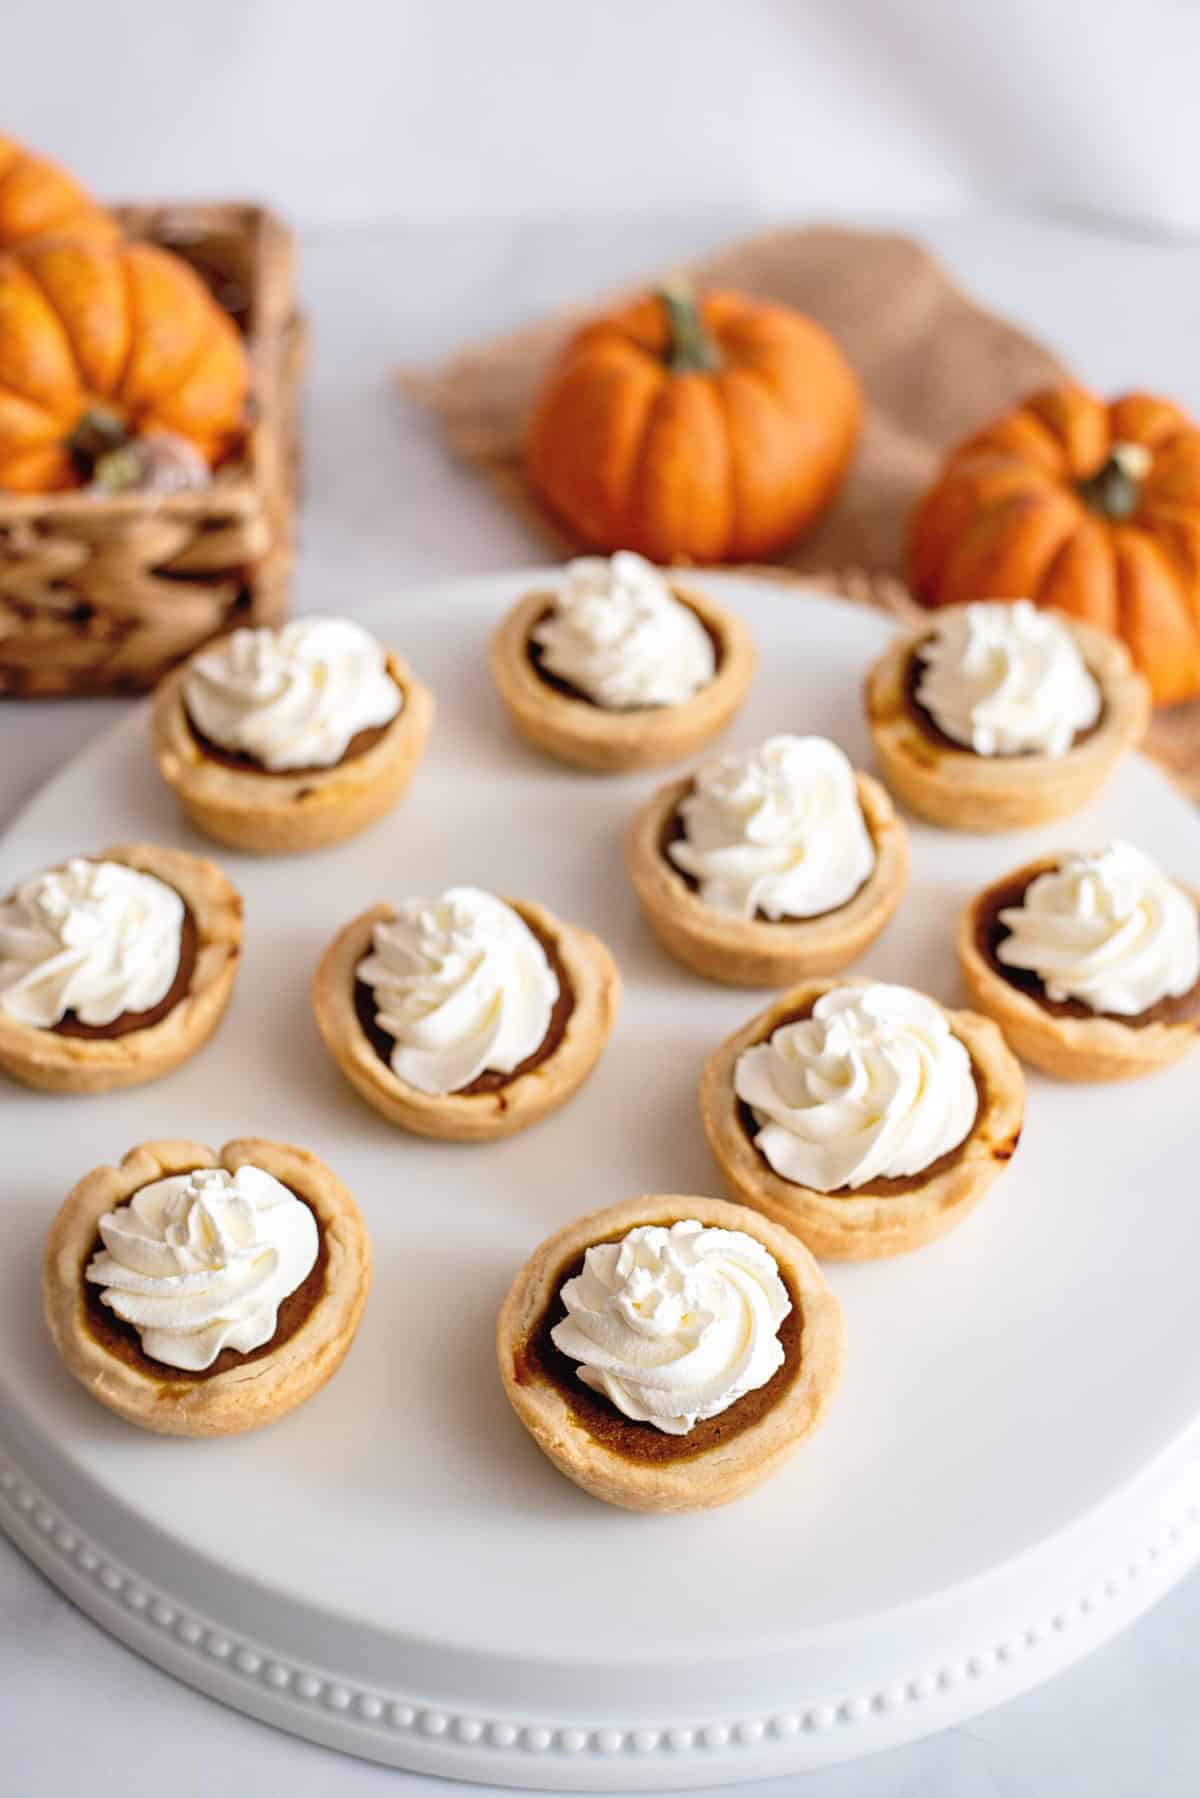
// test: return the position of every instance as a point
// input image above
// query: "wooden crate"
(104, 594)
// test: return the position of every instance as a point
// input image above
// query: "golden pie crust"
(1071, 1048)
(288, 813)
(864, 1225)
(964, 791)
(259, 1389)
(66, 1064)
(471, 1117)
(756, 952)
(728, 1468)
(614, 742)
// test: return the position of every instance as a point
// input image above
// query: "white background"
(372, 108)
(532, 153)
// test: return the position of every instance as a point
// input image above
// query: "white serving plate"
(1011, 1469)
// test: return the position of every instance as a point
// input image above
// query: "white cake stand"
(1011, 1471)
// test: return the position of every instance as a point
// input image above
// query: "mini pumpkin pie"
(864, 1117)
(769, 864)
(1089, 963)
(999, 716)
(204, 1295)
(669, 1354)
(278, 741)
(620, 667)
(467, 1017)
(115, 968)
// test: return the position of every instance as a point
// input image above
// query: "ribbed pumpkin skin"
(1005, 520)
(705, 466)
(126, 326)
(40, 199)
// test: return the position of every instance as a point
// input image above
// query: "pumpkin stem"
(1115, 488)
(691, 349)
(98, 434)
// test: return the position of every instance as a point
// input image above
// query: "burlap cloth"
(934, 366)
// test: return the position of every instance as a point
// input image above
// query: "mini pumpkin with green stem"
(694, 429)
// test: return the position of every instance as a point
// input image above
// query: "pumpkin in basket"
(101, 344)
(707, 430)
(40, 199)
(1089, 507)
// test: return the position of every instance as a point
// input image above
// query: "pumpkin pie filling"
(129, 1021)
(990, 932)
(123, 1341)
(360, 743)
(537, 1359)
(881, 1188)
(489, 1081)
(536, 656)
(929, 727)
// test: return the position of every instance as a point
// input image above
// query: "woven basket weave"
(104, 594)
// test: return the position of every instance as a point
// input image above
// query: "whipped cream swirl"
(201, 1262)
(674, 1325)
(777, 831)
(620, 636)
(1004, 678)
(292, 698)
(463, 987)
(874, 1085)
(1109, 930)
(94, 938)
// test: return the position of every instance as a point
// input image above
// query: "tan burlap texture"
(934, 365)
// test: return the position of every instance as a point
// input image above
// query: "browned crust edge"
(64, 1064)
(962, 791)
(242, 1398)
(605, 742)
(475, 1117)
(730, 1468)
(273, 814)
(843, 1227)
(1077, 1049)
(751, 952)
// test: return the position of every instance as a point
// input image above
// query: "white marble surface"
(384, 506)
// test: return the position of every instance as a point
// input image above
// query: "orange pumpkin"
(40, 199)
(1089, 507)
(695, 431)
(102, 343)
